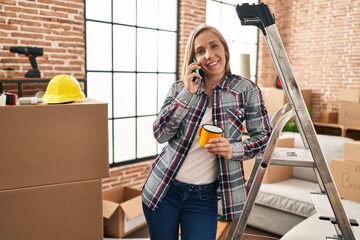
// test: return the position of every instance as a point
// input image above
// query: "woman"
(181, 188)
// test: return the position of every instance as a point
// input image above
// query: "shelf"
(21, 80)
(337, 130)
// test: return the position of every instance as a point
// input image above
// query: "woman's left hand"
(219, 146)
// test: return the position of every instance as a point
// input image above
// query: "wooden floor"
(249, 234)
(254, 234)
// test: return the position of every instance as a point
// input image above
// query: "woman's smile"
(212, 64)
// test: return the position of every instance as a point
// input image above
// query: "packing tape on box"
(2, 100)
(29, 100)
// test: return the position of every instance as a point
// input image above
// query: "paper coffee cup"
(208, 132)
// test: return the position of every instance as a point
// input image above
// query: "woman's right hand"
(191, 85)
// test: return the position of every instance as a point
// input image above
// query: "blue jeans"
(194, 207)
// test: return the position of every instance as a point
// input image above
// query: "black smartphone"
(198, 71)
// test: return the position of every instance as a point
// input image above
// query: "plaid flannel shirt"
(235, 100)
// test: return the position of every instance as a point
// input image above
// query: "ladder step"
(324, 210)
(296, 157)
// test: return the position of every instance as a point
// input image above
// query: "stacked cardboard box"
(273, 173)
(346, 172)
(349, 111)
(275, 98)
(329, 116)
(52, 160)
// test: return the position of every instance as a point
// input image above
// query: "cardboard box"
(349, 114)
(346, 175)
(275, 98)
(273, 173)
(122, 211)
(349, 95)
(48, 144)
(328, 117)
(58, 212)
(352, 151)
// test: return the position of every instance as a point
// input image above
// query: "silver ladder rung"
(295, 157)
(324, 210)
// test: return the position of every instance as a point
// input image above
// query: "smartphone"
(198, 71)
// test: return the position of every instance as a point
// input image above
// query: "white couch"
(313, 228)
(285, 208)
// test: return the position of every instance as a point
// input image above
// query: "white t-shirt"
(200, 166)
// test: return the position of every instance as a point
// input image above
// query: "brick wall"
(322, 40)
(129, 175)
(55, 26)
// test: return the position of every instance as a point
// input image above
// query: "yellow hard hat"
(62, 89)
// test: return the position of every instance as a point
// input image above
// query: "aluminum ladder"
(327, 202)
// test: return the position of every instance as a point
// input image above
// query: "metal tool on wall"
(31, 53)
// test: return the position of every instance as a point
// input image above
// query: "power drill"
(31, 53)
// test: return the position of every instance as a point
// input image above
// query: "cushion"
(263, 218)
(291, 195)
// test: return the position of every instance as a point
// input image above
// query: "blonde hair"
(190, 49)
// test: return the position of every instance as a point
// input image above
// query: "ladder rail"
(274, 120)
(277, 51)
(237, 227)
(278, 114)
(296, 100)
